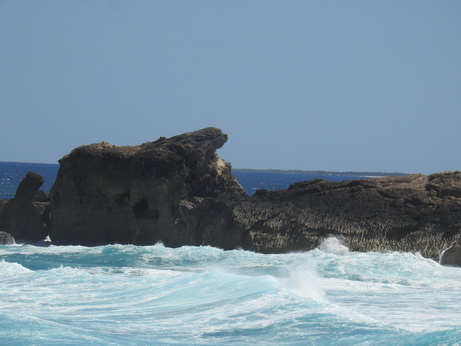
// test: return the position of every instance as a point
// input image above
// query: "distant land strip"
(255, 170)
(295, 171)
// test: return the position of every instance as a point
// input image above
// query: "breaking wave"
(203, 295)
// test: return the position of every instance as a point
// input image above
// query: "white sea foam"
(307, 283)
(202, 295)
(8, 268)
(333, 245)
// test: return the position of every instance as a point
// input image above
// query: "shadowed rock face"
(24, 215)
(167, 190)
(6, 238)
(412, 213)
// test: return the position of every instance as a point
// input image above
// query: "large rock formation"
(412, 213)
(178, 191)
(168, 190)
(24, 216)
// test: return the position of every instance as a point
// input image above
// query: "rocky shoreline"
(180, 192)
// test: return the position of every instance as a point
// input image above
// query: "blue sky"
(314, 85)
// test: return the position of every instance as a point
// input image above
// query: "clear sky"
(313, 85)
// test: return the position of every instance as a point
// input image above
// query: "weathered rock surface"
(412, 213)
(168, 190)
(6, 238)
(178, 191)
(24, 216)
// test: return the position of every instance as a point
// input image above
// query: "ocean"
(137, 295)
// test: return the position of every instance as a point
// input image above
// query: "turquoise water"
(201, 295)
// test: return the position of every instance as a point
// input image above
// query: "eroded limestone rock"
(179, 192)
(413, 213)
(167, 190)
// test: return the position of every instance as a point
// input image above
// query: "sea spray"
(333, 245)
(302, 276)
(305, 281)
(125, 294)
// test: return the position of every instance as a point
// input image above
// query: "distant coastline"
(286, 171)
(257, 170)
(295, 171)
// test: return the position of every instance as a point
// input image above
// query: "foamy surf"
(201, 295)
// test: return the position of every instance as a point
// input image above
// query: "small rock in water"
(6, 239)
(452, 256)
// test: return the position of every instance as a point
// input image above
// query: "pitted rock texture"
(413, 213)
(163, 191)
(179, 192)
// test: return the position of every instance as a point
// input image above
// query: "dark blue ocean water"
(252, 180)
(11, 174)
(153, 295)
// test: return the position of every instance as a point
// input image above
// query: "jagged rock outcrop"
(178, 191)
(6, 238)
(168, 190)
(24, 216)
(413, 213)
